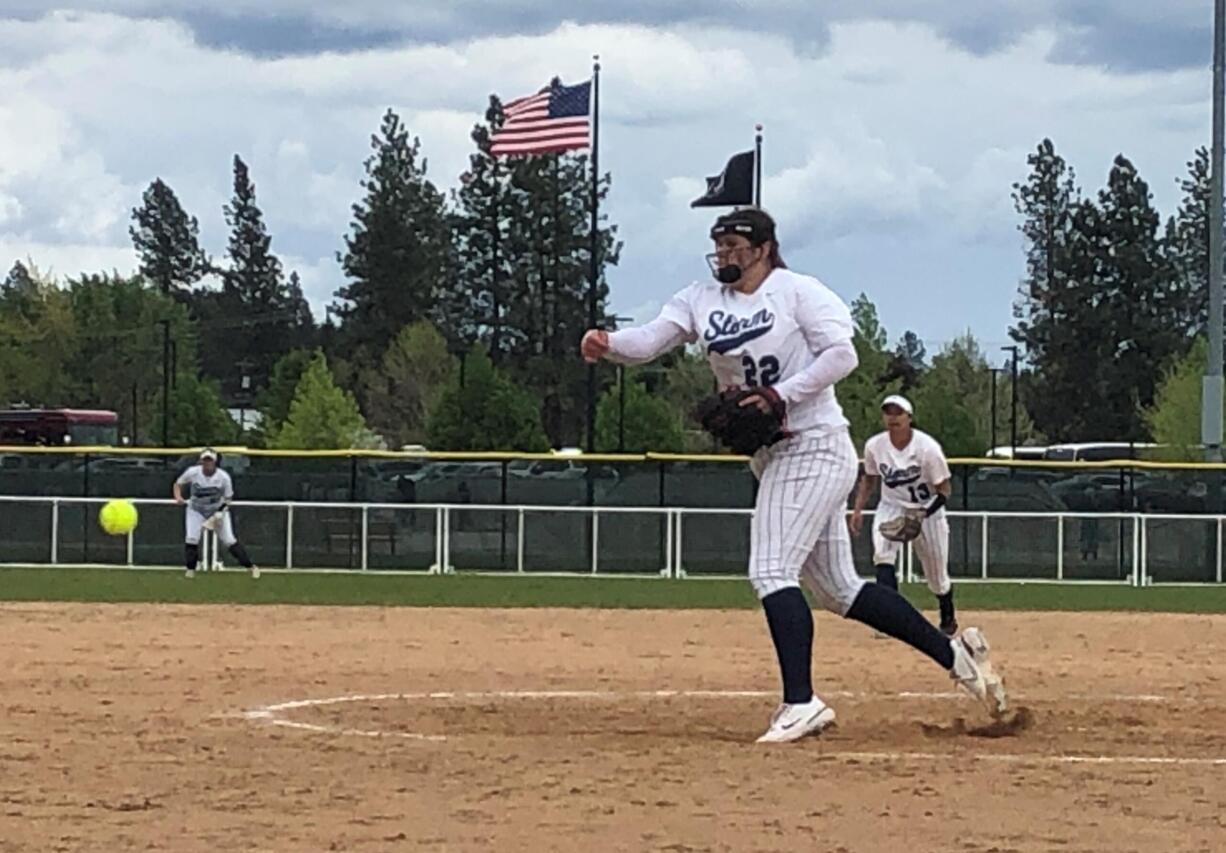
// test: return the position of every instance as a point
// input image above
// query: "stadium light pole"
(1013, 402)
(621, 393)
(1211, 396)
(992, 371)
(165, 382)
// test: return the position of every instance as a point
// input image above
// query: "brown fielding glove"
(743, 429)
(905, 527)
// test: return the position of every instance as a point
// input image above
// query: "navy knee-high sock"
(880, 607)
(791, 626)
(191, 555)
(946, 603)
(240, 554)
(886, 576)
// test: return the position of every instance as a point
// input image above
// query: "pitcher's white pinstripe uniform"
(790, 336)
(799, 527)
(769, 337)
(909, 477)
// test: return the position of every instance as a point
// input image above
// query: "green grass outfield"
(469, 590)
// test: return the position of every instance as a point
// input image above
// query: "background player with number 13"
(914, 476)
(789, 337)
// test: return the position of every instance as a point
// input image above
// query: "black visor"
(753, 225)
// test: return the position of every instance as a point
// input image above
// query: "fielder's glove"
(214, 520)
(743, 429)
(903, 528)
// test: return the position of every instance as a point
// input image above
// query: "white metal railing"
(1132, 545)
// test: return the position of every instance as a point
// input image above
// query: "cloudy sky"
(894, 128)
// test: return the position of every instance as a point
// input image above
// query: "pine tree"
(19, 280)
(39, 340)
(1174, 417)
(299, 320)
(397, 250)
(197, 416)
(322, 416)
(907, 362)
(649, 423)
(406, 387)
(523, 231)
(550, 237)
(687, 380)
(1054, 306)
(954, 401)
(167, 240)
(117, 345)
(860, 394)
(487, 412)
(1187, 235)
(1147, 304)
(1104, 308)
(477, 296)
(253, 278)
(1046, 202)
(273, 401)
(257, 316)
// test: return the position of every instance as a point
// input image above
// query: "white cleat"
(189, 574)
(974, 673)
(792, 722)
(255, 573)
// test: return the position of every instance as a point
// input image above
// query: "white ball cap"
(208, 453)
(900, 401)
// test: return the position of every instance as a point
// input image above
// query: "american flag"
(554, 119)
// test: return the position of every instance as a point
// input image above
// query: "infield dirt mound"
(123, 729)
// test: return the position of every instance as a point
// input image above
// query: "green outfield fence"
(646, 480)
(1103, 521)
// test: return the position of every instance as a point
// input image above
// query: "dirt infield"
(166, 728)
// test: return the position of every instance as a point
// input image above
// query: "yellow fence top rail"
(505, 456)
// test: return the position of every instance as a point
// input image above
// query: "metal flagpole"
(594, 271)
(1211, 398)
(757, 166)
(495, 286)
(992, 373)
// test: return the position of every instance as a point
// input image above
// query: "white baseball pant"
(799, 532)
(931, 546)
(195, 526)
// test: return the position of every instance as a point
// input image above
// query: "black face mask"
(729, 274)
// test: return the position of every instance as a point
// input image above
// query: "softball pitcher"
(788, 337)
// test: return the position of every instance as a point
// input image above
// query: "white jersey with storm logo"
(909, 476)
(768, 337)
(208, 493)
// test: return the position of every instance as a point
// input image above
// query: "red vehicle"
(59, 427)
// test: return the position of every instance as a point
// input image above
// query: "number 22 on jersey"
(763, 372)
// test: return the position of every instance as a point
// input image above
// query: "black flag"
(733, 186)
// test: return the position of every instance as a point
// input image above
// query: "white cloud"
(641, 313)
(852, 183)
(65, 260)
(320, 278)
(892, 149)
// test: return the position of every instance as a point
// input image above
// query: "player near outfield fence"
(778, 342)
(911, 468)
(209, 507)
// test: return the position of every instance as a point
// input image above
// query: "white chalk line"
(617, 695)
(1027, 758)
(272, 715)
